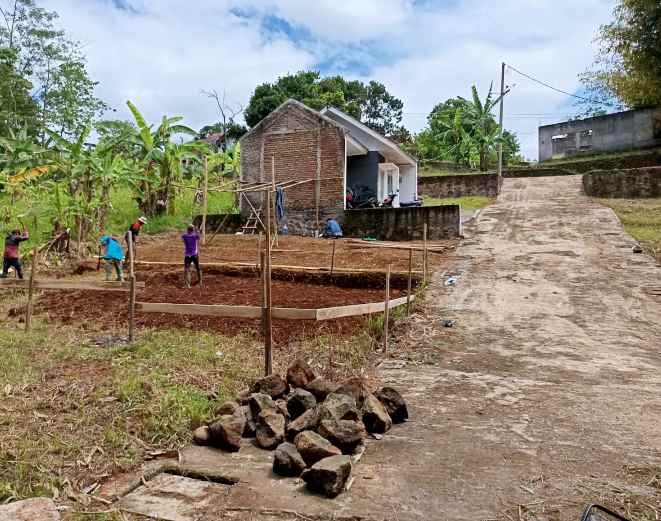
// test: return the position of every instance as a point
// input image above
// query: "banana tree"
(484, 127)
(162, 161)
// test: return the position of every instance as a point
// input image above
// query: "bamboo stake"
(131, 290)
(333, 258)
(205, 203)
(275, 215)
(268, 329)
(260, 258)
(408, 286)
(28, 311)
(424, 254)
(386, 315)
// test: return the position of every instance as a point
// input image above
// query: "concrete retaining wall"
(459, 185)
(404, 224)
(633, 183)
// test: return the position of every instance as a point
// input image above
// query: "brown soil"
(99, 311)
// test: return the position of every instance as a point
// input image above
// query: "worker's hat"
(143, 219)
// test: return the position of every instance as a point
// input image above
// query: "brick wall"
(302, 146)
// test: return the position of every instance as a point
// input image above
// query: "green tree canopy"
(17, 108)
(628, 64)
(372, 104)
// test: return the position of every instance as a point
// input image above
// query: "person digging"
(132, 234)
(191, 254)
(11, 258)
(113, 257)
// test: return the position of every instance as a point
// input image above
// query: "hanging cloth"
(279, 203)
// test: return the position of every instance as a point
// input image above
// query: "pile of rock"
(314, 425)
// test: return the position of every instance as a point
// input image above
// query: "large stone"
(313, 447)
(338, 407)
(307, 421)
(329, 476)
(227, 409)
(300, 401)
(251, 426)
(299, 374)
(270, 429)
(321, 388)
(202, 435)
(35, 509)
(375, 417)
(356, 387)
(243, 398)
(287, 461)
(225, 433)
(344, 434)
(394, 404)
(272, 385)
(281, 407)
(260, 402)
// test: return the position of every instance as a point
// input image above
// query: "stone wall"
(633, 183)
(222, 223)
(403, 224)
(458, 185)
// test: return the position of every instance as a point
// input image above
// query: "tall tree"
(372, 104)
(17, 108)
(628, 63)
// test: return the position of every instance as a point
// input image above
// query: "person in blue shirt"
(332, 229)
(113, 257)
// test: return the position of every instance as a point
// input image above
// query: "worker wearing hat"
(132, 234)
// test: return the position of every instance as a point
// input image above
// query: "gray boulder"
(321, 388)
(299, 374)
(356, 387)
(251, 426)
(227, 409)
(225, 433)
(270, 429)
(300, 401)
(287, 461)
(307, 421)
(329, 476)
(260, 402)
(344, 434)
(375, 417)
(394, 404)
(281, 407)
(201, 435)
(272, 385)
(313, 447)
(338, 407)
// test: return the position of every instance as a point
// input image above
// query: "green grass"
(641, 219)
(579, 158)
(428, 171)
(468, 203)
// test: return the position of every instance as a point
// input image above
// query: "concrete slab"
(36, 509)
(173, 498)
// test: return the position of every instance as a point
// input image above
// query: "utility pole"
(500, 121)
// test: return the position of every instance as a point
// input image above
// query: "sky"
(161, 54)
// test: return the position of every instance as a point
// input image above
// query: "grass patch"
(430, 171)
(469, 203)
(641, 219)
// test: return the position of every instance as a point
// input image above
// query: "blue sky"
(161, 53)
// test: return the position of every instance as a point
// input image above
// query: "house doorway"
(388, 182)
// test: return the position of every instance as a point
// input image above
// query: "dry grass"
(641, 219)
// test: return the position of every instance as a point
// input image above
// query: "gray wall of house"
(364, 170)
(627, 130)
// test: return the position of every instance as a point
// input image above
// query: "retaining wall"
(459, 185)
(633, 183)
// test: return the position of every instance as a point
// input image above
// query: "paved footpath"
(544, 396)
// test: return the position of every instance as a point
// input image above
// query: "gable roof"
(350, 122)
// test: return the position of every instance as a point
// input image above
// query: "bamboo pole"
(205, 202)
(260, 258)
(333, 258)
(268, 329)
(424, 254)
(131, 289)
(386, 315)
(28, 311)
(275, 214)
(408, 285)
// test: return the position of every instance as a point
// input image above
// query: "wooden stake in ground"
(131, 290)
(275, 211)
(260, 258)
(28, 311)
(408, 286)
(386, 313)
(333, 258)
(205, 201)
(424, 254)
(268, 329)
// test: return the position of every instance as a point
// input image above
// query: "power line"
(559, 90)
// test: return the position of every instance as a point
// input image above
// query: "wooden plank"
(87, 285)
(386, 315)
(29, 309)
(359, 309)
(226, 311)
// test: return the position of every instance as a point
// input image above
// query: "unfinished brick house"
(332, 151)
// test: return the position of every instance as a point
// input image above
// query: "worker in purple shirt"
(11, 257)
(191, 254)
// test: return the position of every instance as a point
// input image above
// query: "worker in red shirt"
(132, 234)
(11, 258)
